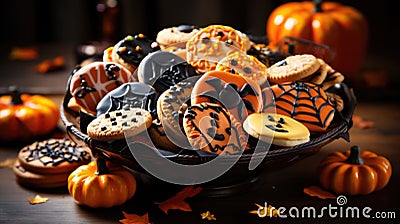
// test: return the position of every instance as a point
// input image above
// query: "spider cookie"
(211, 128)
(175, 34)
(129, 95)
(47, 164)
(211, 44)
(283, 130)
(244, 65)
(305, 102)
(92, 82)
(240, 96)
(293, 68)
(115, 124)
(131, 50)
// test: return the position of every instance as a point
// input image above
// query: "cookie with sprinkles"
(131, 50)
(116, 124)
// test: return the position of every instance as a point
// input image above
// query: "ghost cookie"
(211, 128)
(119, 124)
(283, 130)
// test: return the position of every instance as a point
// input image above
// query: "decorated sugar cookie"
(284, 130)
(211, 128)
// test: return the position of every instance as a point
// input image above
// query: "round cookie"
(210, 45)
(154, 64)
(283, 130)
(209, 127)
(305, 102)
(244, 65)
(131, 50)
(39, 180)
(332, 78)
(170, 108)
(240, 96)
(159, 137)
(293, 68)
(129, 95)
(53, 156)
(115, 124)
(92, 82)
(176, 34)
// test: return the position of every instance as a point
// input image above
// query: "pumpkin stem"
(16, 95)
(101, 167)
(354, 157)
(318, 5)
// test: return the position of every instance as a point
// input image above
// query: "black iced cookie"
(153, 66)
(127, 96)
(133, 49)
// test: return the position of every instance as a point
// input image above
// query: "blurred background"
(41, 22)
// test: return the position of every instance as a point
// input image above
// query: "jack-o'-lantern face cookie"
(284, 130)
(92, 82)
(211, 44)
(305, 102)
(238, 95)
(244, 65)
(211, 128)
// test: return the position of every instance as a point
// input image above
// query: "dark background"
(31, 21)
(73, 22)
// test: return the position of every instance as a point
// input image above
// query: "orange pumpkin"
(354, 172)
(94, 185)
(25, 117)
(343, 28)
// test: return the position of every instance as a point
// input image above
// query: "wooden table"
(283, 187)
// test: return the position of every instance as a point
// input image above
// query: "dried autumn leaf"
(7, 162)
(37, 200)
(208, 215)
(265, 211)
(178, 201)
(135, 219)
(316, 191)
(359, 122)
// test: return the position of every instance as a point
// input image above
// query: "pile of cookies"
(209, 88)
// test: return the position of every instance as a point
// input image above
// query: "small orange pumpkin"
(353, 172)
(341, 27)
(94, 185)
(25, 117)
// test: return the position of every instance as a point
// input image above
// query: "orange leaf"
(208, 215)
(135, 219)
(359, 122)
(178, 201)
(318, 192)
(37, 200)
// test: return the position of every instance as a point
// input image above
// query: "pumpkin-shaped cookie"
(305, 102)
(240, 96)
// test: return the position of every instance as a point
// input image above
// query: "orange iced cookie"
(238, 95)
(305, 102)
(244, 65)
(211, 44)
(92, 82)
(211, 128)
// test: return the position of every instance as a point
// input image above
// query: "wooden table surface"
(283, 187)
(280, 188)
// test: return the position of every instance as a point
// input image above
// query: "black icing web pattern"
(54, 152)
(301, 101)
